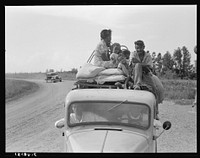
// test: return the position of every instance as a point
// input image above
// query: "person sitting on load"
(101, 54)
(141, 64)
(123, 65)
(115, 51)
(120, 58)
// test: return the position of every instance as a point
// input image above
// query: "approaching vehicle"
(53, 77)
(110, 120)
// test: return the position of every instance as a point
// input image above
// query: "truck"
(105, 117)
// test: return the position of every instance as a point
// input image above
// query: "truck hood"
(106, 141)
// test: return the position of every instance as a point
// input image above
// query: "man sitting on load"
(141, 64)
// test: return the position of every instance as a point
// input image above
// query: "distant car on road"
(53, 77)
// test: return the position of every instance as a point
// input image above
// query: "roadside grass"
(184, 101)
(26, 75)
(63, 75)
(180, 91)
(18, 88)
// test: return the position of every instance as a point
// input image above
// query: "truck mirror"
(60, 123)
(167, 125)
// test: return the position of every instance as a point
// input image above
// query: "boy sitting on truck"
(141, 63)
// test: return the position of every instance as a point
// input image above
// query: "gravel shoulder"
(182, 137)
(30, 122)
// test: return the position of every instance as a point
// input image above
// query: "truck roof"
(140, 96)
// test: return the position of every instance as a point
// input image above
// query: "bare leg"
(124, 69)
(137, 75)
(147, 80)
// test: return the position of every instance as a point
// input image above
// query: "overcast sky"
(63, 37)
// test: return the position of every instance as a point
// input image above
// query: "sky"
(38, 38)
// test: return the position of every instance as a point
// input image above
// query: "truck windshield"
(110, 113)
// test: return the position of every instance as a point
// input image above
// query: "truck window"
(122, 113)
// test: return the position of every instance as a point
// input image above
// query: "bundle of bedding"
(101, 75)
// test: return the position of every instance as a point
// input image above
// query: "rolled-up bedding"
(99, 74)
(88, 71)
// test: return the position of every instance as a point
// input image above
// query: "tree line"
(174, 66)
(171, 66)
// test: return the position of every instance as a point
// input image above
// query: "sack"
(159, 88)
(111, 71)
(111, 78)
(88, 70)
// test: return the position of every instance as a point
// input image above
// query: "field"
(17, 88)
(64, 75)
(181, 91)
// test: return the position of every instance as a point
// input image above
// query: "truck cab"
(107, 120)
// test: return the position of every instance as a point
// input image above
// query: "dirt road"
(30, 122)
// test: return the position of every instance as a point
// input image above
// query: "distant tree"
(177, 57)
(191, 72)
(185, 61)
(51, 70)
(74, 70)
(158, 63)
(153, 56)
(168, 62)
(195, 49)
(195, 62)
